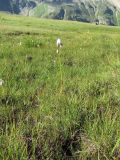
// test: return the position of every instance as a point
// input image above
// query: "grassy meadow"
(62, 106)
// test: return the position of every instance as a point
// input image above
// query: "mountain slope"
(102, 11)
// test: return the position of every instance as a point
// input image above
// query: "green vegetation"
(59, 106)
(40, 10)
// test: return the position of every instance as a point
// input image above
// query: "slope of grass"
(59, 106)
(40, 10)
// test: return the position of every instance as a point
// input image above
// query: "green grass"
(40, 10)
(59, 106)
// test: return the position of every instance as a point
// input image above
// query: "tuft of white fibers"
(59, 43)
(1, 82)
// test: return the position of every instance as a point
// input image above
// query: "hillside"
(58, 106)
(100, 11)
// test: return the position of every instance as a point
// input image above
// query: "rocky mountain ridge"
(93, 11)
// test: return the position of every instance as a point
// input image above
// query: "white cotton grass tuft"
(1, 82)
(59, 44)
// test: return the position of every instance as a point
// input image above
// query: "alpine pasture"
(58, 106)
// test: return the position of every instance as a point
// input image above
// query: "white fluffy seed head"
(58, 42)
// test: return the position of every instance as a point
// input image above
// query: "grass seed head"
(59, 43)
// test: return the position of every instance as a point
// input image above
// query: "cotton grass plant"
(59, 52)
